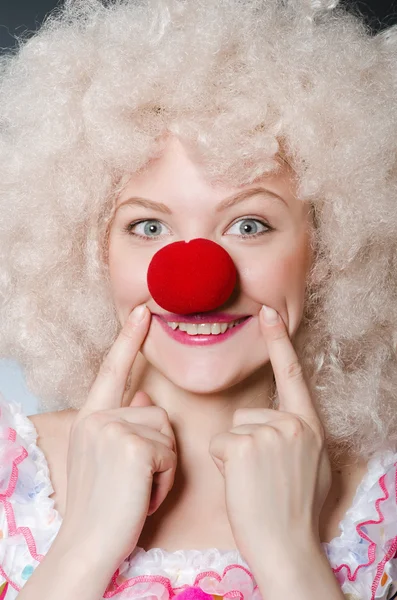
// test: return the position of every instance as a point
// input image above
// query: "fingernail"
(270, 315)
(137, 314)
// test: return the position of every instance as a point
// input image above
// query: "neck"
(196, 417)
(198, 493)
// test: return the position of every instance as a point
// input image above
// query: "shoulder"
(52, 430)
(53, 441)
(39, 427)
(28, 520)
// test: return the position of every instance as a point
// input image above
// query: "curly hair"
(86, 100)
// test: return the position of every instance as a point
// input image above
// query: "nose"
(191, 277)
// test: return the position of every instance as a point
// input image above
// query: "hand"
(115, 453)
(275, 464)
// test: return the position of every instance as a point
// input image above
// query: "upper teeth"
(203, 328)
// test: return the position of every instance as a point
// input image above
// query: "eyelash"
(128, 228)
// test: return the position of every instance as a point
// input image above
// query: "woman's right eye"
(147, 229)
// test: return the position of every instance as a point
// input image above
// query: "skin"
(210, 416)
(201, 388)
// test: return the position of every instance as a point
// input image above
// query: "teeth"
(203, 328)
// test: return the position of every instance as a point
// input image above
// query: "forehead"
(177, 178)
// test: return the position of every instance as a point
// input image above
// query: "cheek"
(127, 272)
(278, 277)
(289, 273)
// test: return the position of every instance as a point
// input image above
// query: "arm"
(69, 571)
(299, 568)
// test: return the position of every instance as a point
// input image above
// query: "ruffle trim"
(366, 547)
(25, 483)
(25, 487)
(162, 575)
(369, 544)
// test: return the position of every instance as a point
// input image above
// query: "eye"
(250, 227)
(146, 229)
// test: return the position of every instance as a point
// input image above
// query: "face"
(267, 235)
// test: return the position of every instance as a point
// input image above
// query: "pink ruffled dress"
(363, 557)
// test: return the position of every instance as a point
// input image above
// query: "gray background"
(20, 17)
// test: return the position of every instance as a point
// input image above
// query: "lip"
(208, 317)
(202, 340)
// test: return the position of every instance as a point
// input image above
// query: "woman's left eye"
(250, 227)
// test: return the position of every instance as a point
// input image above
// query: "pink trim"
(167, 582)
(10, 516)
(372, 545)
(26, 532)
(8, 580)
(390, 553)
(133, 581)
(381, 566)
(3, 593)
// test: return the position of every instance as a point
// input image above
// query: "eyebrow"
(225, 204)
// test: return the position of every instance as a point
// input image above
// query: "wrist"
(291, 547)
(300, 565)
(85, 551)
(82, 575)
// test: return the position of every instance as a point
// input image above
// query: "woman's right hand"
(114, 454)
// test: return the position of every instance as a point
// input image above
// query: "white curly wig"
(83, 105)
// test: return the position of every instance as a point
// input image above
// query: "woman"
(166, 460)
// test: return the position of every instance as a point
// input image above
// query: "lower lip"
(200, 340)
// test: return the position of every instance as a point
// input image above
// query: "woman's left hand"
(275, 464)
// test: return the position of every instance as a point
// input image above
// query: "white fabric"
(362, 556)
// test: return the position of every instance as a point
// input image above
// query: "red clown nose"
(191, 277)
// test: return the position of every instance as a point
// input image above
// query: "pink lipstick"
(207, 317)
(201, 339)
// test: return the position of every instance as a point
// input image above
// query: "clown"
(198, 247)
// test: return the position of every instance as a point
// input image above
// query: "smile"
(201, 333)
(204, 328)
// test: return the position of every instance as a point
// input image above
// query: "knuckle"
(107, 368)
(160, 413)
(113, 430)
(320, 435)
(267, 435)
(92, 422)
(135, 446)
(129, 330)
(293, 371)
(279, 333)
(293, 427)
(239, 416)
(174, 462)
(172, 459)
(321, 446)
(169, 443)
(245, 446)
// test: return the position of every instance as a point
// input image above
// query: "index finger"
(109, 385)
(292, 389)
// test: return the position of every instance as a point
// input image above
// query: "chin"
(202, 377)
(203, 386)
